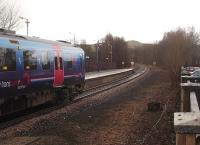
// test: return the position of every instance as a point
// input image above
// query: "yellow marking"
(14, 41)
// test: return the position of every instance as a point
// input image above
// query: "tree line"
(177, 48)
(109, 52)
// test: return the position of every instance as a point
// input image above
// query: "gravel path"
(118, 116)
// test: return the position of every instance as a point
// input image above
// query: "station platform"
(103, 73)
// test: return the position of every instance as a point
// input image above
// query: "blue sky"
(141, 20)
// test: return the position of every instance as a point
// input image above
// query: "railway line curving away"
(15, 129)
(115, 116)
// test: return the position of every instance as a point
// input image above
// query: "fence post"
(182, 99)
(180, 139)
(191, 139)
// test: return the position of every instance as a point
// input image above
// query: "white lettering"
(5, 84)
(21, 87)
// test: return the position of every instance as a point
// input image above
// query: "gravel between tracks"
(117, 116)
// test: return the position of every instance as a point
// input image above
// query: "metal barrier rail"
(194, 107)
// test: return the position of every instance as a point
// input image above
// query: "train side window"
(81, 62)
(61, 63)
(69, 63)
(7, 59)
(56, 63)
(45, 61)
(30, 60)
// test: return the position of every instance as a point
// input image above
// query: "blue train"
(34, 71)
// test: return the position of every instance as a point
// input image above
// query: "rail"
(187, 122)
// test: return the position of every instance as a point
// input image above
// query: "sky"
(140, 20)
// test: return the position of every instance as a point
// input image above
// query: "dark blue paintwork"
(23, 81)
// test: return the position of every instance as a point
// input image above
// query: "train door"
(58, 67)
(17, 58)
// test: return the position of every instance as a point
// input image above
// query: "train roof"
(35, 39)
(12, 35)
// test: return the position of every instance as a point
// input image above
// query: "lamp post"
(27, 23)
(122, 64)
(97, 45)
(87, 62)
(110, 52)
(97, 55)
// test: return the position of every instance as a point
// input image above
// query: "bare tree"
(120, 52)
(9, 15)
(90, 55)
(115, 50)
(178, 48)
(83, 44)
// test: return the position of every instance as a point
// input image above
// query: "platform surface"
(96, 74)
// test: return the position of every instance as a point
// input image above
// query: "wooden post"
(186, 126)
(191, 139)
(185, 100)
(182, 99)
(180, 139)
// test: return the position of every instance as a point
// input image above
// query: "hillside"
(134, 44)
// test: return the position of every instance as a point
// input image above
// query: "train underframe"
(12, 104)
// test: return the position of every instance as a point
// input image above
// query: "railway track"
(42, 110)
(107, 86)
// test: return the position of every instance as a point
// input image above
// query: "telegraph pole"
(73, 38)
(27, 23)
(98, 55)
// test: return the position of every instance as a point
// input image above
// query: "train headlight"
(5, 68)
(27, 67)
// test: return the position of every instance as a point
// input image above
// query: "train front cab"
(25, 80)
(24, 86)
(10, 76)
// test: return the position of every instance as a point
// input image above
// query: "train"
(34, 71)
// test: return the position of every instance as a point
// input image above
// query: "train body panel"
(31, 65)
